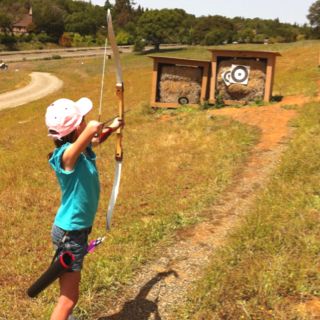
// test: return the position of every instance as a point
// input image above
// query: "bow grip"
(119, 93)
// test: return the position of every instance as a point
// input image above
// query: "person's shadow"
(140, 308)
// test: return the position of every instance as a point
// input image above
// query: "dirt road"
(29, 55)
(40, 86)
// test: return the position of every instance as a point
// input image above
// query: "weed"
(206, 105)
(146, 109)
(219, 103)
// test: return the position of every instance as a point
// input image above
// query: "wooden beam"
(269, 79)
(213, 80)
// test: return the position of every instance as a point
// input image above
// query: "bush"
(66, 40)
(44, 38)
(124, 38)
(89, 40)
(139, 45)
(8, 41)
(301, 37)
(77, 40)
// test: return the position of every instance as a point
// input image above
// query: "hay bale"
(253, 91)
(180, 81)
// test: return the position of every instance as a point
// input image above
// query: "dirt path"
(160, 286)
(40, 86)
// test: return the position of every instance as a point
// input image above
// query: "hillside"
(226, 198)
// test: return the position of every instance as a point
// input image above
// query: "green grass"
(271, 263)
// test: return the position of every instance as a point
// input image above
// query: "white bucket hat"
(64, 115)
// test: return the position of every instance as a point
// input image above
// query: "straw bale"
(254, 90)
(180, 81)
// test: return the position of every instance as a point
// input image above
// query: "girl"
(74, 164)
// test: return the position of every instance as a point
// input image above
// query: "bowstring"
(102, 79)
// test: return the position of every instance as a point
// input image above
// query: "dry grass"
(296, 70)
(269, 268)
(14, 78)
(175, 164)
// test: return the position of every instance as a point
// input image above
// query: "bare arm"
(71, 154)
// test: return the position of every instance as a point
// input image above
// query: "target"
(183, 100)
(239, 74)
(226, 76)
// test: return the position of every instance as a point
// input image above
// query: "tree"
(5, 23)
(107, 5)
(161, 26)
(213, 30)
(314, 14)
(314, 18)
(86, 20)
(48, 17)
(123, 12)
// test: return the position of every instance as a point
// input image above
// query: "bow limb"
(120, 96)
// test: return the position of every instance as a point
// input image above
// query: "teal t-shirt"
(80, 190)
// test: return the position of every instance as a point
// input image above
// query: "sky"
(292, 11)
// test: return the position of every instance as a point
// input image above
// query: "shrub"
(139, 45)
(44, 37)
(8, 40)
(66, 40)
(124, 38)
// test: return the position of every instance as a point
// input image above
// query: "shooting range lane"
(41, 85)
(164, 283)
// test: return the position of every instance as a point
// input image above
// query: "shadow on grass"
(140, 308)
(276, 98)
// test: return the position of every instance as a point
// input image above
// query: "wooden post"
(269, 78)
(213, 79)
(154, 83)
(204, 84)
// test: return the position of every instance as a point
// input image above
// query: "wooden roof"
(24, 22)
(178, 59)
(243, 53)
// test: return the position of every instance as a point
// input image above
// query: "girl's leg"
(69, 294)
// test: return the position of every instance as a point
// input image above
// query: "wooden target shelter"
(177, 81)
(241, 76)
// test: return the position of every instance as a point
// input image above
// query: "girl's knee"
(68, 303)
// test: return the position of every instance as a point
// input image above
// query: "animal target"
(239, 74)
(226, 76)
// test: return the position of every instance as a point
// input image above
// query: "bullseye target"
(226, 77)
(239, 74)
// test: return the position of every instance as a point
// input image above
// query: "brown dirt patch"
(309, 309)
(161, 285)
(272, 119)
